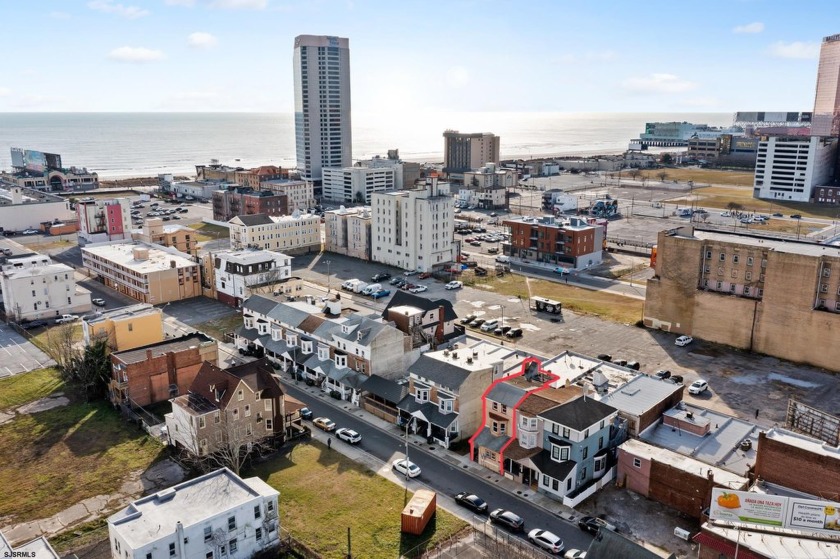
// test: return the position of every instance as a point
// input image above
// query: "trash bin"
(430, 440)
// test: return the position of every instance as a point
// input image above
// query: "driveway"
(17, 355)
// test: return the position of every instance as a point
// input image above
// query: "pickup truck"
(66, 318)
(380, 294)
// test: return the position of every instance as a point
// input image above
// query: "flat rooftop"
(777, 545)
(122, 254)
(124, 312)
(684, 463)
(640, 394)
(804, 442)
(140, 354)
(250, 256)
(770, 243)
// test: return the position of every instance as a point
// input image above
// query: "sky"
(406, 55)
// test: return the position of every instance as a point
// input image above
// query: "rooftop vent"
(165, 495)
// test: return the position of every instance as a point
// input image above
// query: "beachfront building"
(235, 275)
(253, 178)
(347, 231)
(826, 118)
(467, 151)
(292, 234)
(34, 287)
(104, 220)
(323, 138)
(569, 242)
(300, 194)
(146, 272)
(413, 229)
(406, 173)
(678, 133)
(356, 184)
(789, 167)
(240, 200)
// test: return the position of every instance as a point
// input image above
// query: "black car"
(33, 324)
(589, 524)
(605, 357)
(467, 319)
(796, 216)
(633, 365)
(395, 281)
(305, 413)
(509, 520)
(663, 374)
(381, 276)
(676, 379)
(471, 501)
(620, 362)
(514, 333)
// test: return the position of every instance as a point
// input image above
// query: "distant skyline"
(431, 56)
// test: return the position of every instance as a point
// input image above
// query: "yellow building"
(146, 272)
(126, 327)
(176, 236)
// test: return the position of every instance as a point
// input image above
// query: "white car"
(683, 341)
(546, 540)
(698, 387)
(419, 289)
(406, 467)
(348, 435)
(489, 326)
(66, 319)
(575, 554)
(454, 285)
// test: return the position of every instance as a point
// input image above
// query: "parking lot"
(18, 355)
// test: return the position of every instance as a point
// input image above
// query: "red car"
(425, 275)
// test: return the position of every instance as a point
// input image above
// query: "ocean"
(122, 145)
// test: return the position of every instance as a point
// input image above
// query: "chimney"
(439, 329)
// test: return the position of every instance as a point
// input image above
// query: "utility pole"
(349, 549)
(328, 277)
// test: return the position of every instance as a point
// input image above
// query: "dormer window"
(446, 406)
(249, 322)
(345, 328)
(341, 361)
(291, 340)
(276, 333)
(323, 353)
(306, 346)
(422, 395)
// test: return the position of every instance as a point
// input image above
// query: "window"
(826, 272)
(235, 413)
(231, 523)
(555, 485)
(495, 406)
(722, 257)
(208, 533)
(708, 254)
(240, 395)
(202, 422)
(130, 327)
(735, 259)
(247, 410)
(637, 462)
(208, 555)
(268, 425)
(257, 512)
(586, 434)
(749, 260)
(566, 433)
(585, 452)
(172, 550)
(271, 506)
(555, 429)
(545, 480)
(149, 555)
(600, 443)
(259, 534)
(233, 545)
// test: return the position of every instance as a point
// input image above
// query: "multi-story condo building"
(406, 173)
(356, 184)
(726, 149)
(33, 287)
(182, 522)
(292, 234)
(148, 273)
(160, 371)
(777, 296)
(322, 104)
(255, 177)
(236, 275)
(573, 242)
(300, 194)
(467, 151)
(126, 327)
(826, 118)
(335, 348)
(789, 167)
(176, 236)
(241, 200)
(413, 229)
(25, 208)
(104, 220)
(228, 409)
(347, 231)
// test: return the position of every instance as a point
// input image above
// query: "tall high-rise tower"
(826, 118)
(322, 104)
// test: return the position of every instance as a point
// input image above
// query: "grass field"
(28, 387)
(585, 301)
(219, 327)
(41, 339)
(322, 493)
(700, 176)
(208, 231)
(56, 458)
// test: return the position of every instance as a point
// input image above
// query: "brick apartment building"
(573, 243)
(235, 201)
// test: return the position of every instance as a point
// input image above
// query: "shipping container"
(419, 510)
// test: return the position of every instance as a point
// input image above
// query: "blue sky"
(472, 55)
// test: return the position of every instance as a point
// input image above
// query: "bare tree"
(272, 278)
(60, 343)
(662, 175)
(734, 206)
(634, 173)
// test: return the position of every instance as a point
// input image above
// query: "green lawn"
(208, 231)
(28, 387)
(56, 458)
(322, 493)
(219, 327)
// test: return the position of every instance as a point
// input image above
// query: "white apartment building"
(24, 208)
(33, 287)
(300, 193)
(347, 231)
(237, 272)
(214, 516)
(356, 184)
(789, 167)
(413, 229)
(322, 104)
(292, 234)
(104, 220)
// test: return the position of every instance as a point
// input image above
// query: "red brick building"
(572, 243)
(160, 371)
(235, 201)
(783, 457)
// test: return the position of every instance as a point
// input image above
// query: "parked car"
(777, 214)
(490, 325)
(410, 272)
(348, 435)
(467, 319)
(620, 362)
(305, 413)
(683, 341)
(66, 319)
(395, 281)
(419, 289)
(575, 554)
(676, 379)
(406, 467)
(380, 294)
(454, 285)
(400, 283)
(508, 519)
(477, 322)
(33, 324)
(796, 216)
(502, 330)
(474, 502)
(698, 387)
(561, 270)
(381, 276)
(324, 423)
(633, 365)
(30, 231)
(546, 540)
(605, 357)
(98, 302)
(591, 524)
(514, 333)
(663, 374)
(425, 275)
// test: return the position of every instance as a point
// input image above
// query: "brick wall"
(781, 463)
(680, 490)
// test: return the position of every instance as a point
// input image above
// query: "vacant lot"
(28, 387)
(56, 458)
(700, 176)
(322, 493)
(208, 231)
(219, 327)
(584, 301)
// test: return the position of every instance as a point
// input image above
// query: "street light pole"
(328, 277)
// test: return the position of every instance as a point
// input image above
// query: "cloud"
(457, 76)
(592, 56)
(180, 2)
(658, 83)
(136, 55)
(754, 27)
(222, 4)
(796, 50)
(5, 91)
(201, 40)
(108, 7)
(59, 15)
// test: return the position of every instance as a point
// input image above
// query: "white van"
(503, 259)
(371, 289)
(359, 286)
(349, 284)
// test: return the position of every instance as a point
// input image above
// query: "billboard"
(53, 161)
(17, 157)
(34, 161)
(792, 513)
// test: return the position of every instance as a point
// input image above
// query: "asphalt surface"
(437, 473)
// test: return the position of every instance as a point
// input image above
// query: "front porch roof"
(515, 451)
(427, 411)
(553, 469)
(249, 334)
(486, 439)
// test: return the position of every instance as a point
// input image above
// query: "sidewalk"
(636, 290)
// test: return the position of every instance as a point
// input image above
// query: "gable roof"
(579, 414)
(174, 345)
(217, 385)
(253, 219)
(259, 304)
(506, 394)
(401, 298)
(388, 390)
